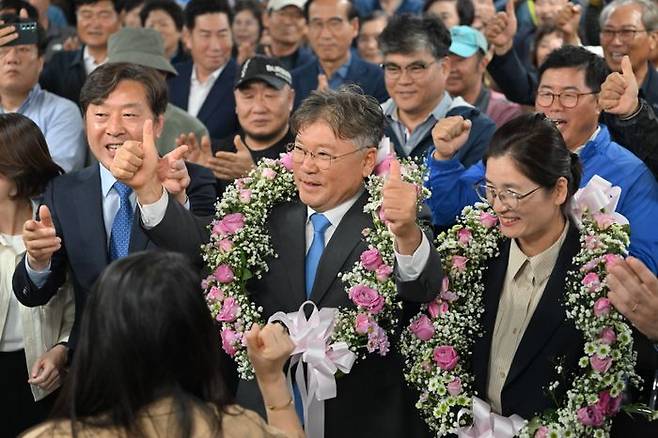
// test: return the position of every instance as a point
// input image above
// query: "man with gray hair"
(416, 67)
(335, 149)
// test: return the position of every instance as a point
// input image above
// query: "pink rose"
(608, 336)
(224, 273)
(541, 432)
(443, 308)
(455, 387)
(230, 340)
(590, 416)
(591, 281)
(269, 173)
(383, 272)
(215, 293)
(611, 259)
(608, 405)
(459, 263)
(225, 245)
(240, 183)
(488, 220)
(464, 236)
(600, 364)
(422, 328)
(592, 243)
(206, 281)
(245, 196)
(371, 259)
(229, 224)
(367, 298)
(433, 309)
(229, 311)
(590, 265)
(602, 307)
(446, 357)
(603, 220)
(362, 323)
(286, 160)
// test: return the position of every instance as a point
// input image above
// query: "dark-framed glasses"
(625, 35)
(321, 159)
(416, 69)
(487, 193)
(568, 99)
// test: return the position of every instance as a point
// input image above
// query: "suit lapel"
(495, 278)
(346, 237)
(288, 239)
(90, 220)
(222, 87)
(549, 314)
(180, 86)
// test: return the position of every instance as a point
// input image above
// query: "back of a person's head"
(24, 156)
(146, 334)
(196, 8)
(595, 68)
(406, 34)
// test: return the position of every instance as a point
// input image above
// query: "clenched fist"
(449, 135)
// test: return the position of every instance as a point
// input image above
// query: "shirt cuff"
(37, 277)
(152, 214)
(409, 267)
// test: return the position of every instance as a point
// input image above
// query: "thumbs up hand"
(399, 208)
(40, 240)
(619, 91)
(449, 135)
(501, 28)
(232, 165)
(323, 82)
(136, 164)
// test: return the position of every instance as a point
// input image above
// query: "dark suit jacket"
(549, 336)
(75, 203)
(218, 110)
(65, 74)
(366, 75)
(373, 397)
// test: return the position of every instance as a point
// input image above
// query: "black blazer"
(65, 74)
(373, 398)
(549, 336)
(76, 206)
(218, 110)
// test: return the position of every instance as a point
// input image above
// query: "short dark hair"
(42, 41)
(539, 151)
(102, 81)
(118, 4)
(169, 7)
(408, 33)
(24, 156)
(352, 12)
(595, 68)
(251, 6)
(350, 113)
(147, 321)
(16, 5)
(201, 7)
(129, 5)
(465, 10)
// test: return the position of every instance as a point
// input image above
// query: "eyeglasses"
(416, 69)
(335, 25)
(321, 159)
(507, 197)
(625, 35)
(568, 99)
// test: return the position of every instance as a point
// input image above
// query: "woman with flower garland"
(527, 341)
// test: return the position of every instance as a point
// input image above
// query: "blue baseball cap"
(466, 41)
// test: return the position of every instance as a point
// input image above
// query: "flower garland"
(240, 246)
(437, 345)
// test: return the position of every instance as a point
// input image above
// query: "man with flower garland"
(335, 150)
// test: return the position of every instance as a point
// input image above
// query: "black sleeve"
(514, 79)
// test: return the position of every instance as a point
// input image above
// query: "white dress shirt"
(90, 62)
(199, 90)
